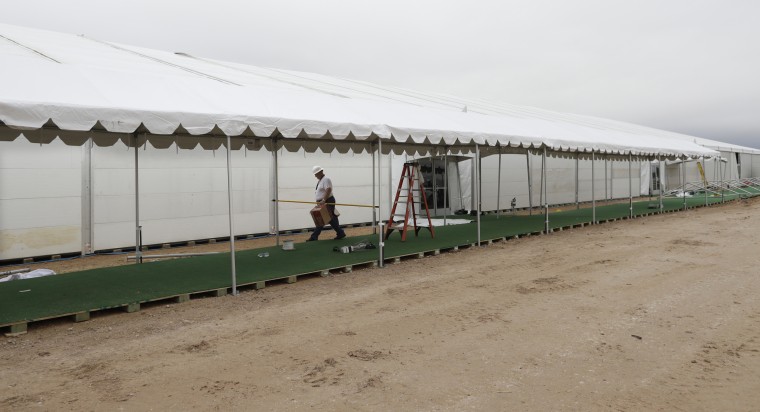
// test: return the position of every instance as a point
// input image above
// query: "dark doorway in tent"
(654, 178)
(738, 164)
(435, 181)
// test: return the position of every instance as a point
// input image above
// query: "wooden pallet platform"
(18, 328)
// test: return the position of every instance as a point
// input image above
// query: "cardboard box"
(321, 215)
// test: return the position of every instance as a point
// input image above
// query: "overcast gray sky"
(689, 66)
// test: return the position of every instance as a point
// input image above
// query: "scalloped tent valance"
(310, 145)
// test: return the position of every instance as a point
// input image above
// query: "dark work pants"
(333, 222)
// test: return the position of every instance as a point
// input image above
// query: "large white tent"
(81, 91)
(76, 84)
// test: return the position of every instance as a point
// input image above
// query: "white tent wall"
(731, 166)
(710, 167)
(746, 165)
(351, 174)
(645, 178)
(535, 178)
(597, 189)
(183, 194)
(672, 178)
(456, 189)
(388, 190)
(514, 177)
(618, 179)
(40, 204)
(749, 165)
(755, 165)
(728, 169)
(456, 198)
(560, 178)
(690, 171)
(584, 180)
(466, 182)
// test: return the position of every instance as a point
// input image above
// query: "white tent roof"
(71, 86)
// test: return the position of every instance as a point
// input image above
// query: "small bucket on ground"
(288, 245)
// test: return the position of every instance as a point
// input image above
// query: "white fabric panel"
(466, 177)
(692, 172)
(619, 185)
(730, 169)
(40, 202)
(514, 177)
(560, 181)
(350, 175)
(645, 180)
(746, 165)
(584, 180)
(183, 195)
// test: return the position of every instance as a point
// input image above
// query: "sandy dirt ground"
(657, 313)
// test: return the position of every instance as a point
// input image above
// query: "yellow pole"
(702, 173)
(314, 203)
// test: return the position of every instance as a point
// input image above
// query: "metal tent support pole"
(606, 185)
(86, 199)
(232, 220)
(380, 243)
(651, 182)
(434, 184)
(715, 169)
(683, 184)
(630, 186)
(459, 186)
(480, 183)
(577, 201)
(276, 183)
(661, 167)
(722, 176)
(446, 192)
(530, 184)
(612, 180)
(477, 186)
(390, 179)
(544, 184)
(593, 190)
(704, 180)
(541, 186)
(138, 228)
(498, 188)
(374, 202)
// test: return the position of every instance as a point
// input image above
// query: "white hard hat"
(316, 169)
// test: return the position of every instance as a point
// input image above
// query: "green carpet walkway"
(91, 290)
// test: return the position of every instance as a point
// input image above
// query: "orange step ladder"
(412, 185)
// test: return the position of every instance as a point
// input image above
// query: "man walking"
(324, 195)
